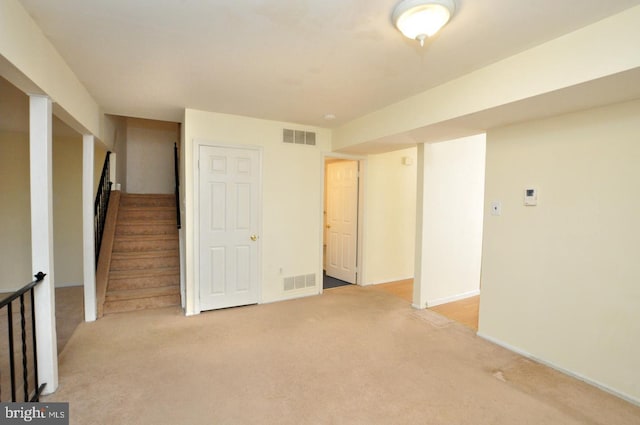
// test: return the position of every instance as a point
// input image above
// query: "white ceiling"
(289, 60)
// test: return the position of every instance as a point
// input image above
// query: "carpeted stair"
(145, 264)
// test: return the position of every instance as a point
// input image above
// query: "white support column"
(41, 168)
(88, 232)
(419, 281)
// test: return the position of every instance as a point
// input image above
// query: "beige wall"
(67, 211)
(99, 155)
(389, 217)
(291, 236)
(149, 156)
(450, 233)
(561, 280)
(15, 215)
(120, 149)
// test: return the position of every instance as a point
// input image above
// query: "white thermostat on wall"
(531, 196)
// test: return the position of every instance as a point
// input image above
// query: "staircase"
(145, 266)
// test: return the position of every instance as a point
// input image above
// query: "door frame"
(197, 143)
(362, 166)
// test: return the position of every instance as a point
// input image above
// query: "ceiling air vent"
(298, 137)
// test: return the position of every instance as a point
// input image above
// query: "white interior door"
(342, 220)
(229, 181)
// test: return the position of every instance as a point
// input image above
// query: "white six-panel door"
(342, 220)
(229, 182)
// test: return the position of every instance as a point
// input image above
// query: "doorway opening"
(341, 223)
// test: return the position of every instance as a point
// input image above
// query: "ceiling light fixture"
(420, 19)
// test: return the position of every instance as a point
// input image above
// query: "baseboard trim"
(445, 300)
(301, 293)
(382, 282)
(67, 284)
(552, 365)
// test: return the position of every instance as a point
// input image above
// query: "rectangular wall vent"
(310, 138)
(298, 137)
(287, 135)
(311, 280)
(299, 282)
(289, 283)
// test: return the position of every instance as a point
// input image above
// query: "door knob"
(328, 226)
(254, 237)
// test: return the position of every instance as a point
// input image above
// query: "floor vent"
(298, 137)
(299, 282)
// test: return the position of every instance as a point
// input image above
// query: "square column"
(41, 169)
(419, 280)
(88, 231)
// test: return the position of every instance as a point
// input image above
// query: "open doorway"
(340, 222)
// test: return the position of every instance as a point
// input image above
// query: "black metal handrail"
(101, 204)
(177, 191)
(8, 302)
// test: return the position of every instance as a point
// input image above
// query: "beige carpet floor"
(351, 356)
(69, 313)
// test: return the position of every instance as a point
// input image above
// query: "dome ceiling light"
(420, 19)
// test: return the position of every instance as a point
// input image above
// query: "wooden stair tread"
(131, 294)
(153, 213)
(140, 273)
(155, 271)
(148, 195)
(151, 237)
(147, 215)
(155, 253)
(145, 281)
(148, 200)
(129, 222)
(149, 267)
(145, 242)
(128, 197)
(146, 229)
(125, 306)
(135, 212)
(133, 207)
